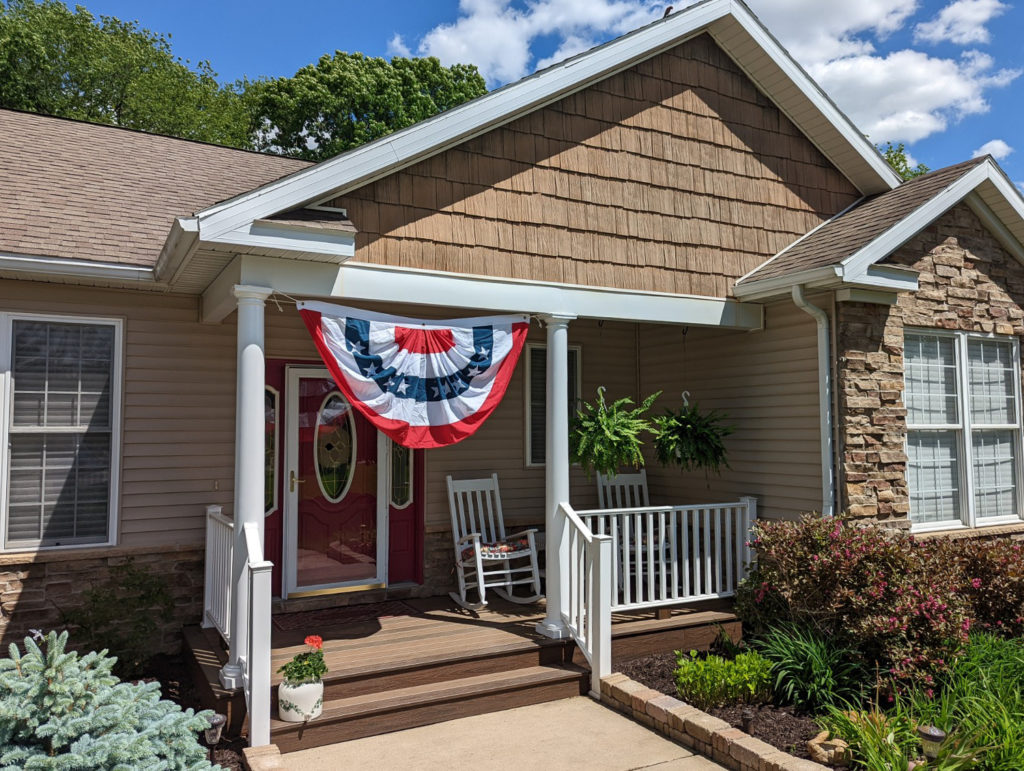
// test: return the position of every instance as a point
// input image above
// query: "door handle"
(292, 481)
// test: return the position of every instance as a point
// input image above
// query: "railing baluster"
(730, 577)
(662, 567)
(684, 527)
(627, 590)
(695, 532)
(707, 552)
(719, 514)
(673, 526)
(650, 556)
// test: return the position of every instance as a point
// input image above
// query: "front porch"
(401, 664)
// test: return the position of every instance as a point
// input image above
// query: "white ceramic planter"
(299, 702)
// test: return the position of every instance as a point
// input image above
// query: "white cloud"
(397, 47)
(498, 37)
(961, 22)
(901, 95)
(997, 148)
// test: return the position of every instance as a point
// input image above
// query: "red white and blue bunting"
(423, 383)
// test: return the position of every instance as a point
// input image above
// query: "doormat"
(307, 619)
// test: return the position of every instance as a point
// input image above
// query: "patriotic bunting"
(423, 383)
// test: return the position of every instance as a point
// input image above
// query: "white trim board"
(730, 22)
(360, 281)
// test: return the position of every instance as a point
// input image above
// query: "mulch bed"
(779, 726)
(176, 685)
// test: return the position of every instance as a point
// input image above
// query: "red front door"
(324, 529)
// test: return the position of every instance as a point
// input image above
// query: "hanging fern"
(605, 438)
(691, 439)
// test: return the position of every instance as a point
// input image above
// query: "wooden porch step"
(370, 714)
(206, 655)
(440, 666)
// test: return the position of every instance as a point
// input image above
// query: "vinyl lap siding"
(767, 384)
(178, 405)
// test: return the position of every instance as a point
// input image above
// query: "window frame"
(965, 429)
(528, 422)
(7, 319)
(276, 470)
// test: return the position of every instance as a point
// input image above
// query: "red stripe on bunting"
(424, 340)
(422, 437)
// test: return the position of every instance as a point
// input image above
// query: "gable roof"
(846, 248)
(735, 29)
(83, 191)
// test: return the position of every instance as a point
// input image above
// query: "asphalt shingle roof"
(84, 191)
(846, 234)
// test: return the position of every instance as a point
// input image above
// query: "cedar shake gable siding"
(83, 191)
(676, 175)
(967, 282)
(849, 233)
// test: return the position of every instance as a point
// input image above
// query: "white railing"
(220, 540)
(666, 555)
(588, 605)
(256, 662)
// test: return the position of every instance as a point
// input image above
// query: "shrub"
(810, 671)
(124, 616)
(714, 681)
(894, 599)
(993, 581)
(59, 710)
(878, 742)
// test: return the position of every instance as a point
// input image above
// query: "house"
(681, 209)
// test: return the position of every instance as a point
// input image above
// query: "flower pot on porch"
(299, 702)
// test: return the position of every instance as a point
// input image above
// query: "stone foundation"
(967, 282)
(37, 589)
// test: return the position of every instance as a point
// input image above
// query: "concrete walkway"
(569, 734)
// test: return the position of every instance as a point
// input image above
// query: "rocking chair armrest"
(521, 534)
(469, 537)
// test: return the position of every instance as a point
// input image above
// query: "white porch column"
(556, 473)
(249, 460)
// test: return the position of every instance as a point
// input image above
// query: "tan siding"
(767, 384)
(676, 175)
(178, 405)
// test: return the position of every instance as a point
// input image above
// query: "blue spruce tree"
(59, 710)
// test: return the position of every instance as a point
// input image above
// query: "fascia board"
(41, 266)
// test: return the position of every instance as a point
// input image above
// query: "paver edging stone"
(698, 730)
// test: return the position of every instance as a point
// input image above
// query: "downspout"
(828, 478)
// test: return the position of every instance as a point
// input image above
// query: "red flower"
(315, 641)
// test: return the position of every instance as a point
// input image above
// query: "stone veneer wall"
(967, 282)
(35, 589)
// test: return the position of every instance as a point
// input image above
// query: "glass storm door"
(334, 533)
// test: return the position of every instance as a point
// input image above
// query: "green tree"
(67, 63)
(896, 156)
(347, 99)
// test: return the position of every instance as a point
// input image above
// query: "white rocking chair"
(484, 554)
(622, 491)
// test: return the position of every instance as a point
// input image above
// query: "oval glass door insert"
(335, 447)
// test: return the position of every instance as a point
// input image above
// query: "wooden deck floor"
(436, 629)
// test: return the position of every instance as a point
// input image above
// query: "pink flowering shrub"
(897, 600)
(993, 575)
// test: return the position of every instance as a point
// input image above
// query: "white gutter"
(828, 477)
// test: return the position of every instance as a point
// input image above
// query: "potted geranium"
(300, 697)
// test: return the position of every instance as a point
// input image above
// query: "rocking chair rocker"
(484, 554)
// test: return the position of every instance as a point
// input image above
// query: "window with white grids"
(61, 388)
(963, 429)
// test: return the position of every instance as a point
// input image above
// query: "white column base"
(231, 676)
(554, 630)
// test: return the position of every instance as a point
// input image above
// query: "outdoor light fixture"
(747, 720)
(212, 734)
(931, 739)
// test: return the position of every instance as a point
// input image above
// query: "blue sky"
(943, 76)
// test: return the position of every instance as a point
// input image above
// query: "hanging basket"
(691, 439)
